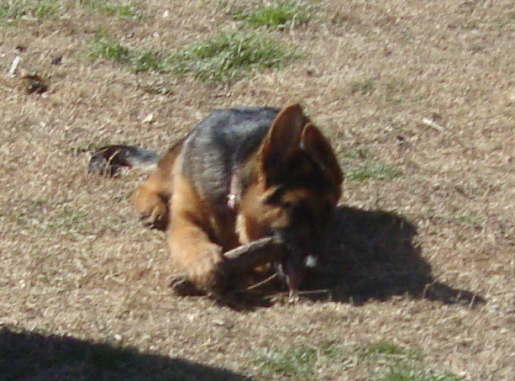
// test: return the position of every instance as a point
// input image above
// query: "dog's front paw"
(207, 271)
(152, 209)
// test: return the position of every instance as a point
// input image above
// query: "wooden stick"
(246, 257)
(14, 66)
(433, 124)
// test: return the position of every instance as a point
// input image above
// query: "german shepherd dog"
(240, 175)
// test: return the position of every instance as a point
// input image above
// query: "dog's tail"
(107, 160)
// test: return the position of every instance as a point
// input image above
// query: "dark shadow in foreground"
(374, 255)
(30, 356)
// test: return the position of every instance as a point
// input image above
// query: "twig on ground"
(14, 66)
(433, 124)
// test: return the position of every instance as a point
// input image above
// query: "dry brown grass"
(75, 262)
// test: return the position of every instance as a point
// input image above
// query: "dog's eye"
(301, 212)
(288, 205)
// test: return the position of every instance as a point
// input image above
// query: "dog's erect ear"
(283, 140)
(316, 145)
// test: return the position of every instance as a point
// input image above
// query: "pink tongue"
(293, 277)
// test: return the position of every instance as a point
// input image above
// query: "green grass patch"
(104, 47)
(36, 9)
(125, 9)
(407, 372)
(228, 57)
(279, 15)
(380, 361)
(45, 9)
(391, 362)
(136, 59)
(372, 171)
(299, 362)
(384, 348)
(359, 165)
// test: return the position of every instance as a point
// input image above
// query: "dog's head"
(295, 187)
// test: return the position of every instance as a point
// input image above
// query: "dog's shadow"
(375, 255)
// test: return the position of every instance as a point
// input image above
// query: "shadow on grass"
(35, 357)
(374, 255)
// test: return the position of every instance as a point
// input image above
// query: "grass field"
(418, 99)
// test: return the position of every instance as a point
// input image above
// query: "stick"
(253, 254)
(430, 123)
(14, 66)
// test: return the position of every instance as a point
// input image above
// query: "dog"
(240, 175)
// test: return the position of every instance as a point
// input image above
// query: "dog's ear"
(282, 141)
(318, 148)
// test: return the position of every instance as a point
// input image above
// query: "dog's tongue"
(293, 274)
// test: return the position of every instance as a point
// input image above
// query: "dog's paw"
(152, 209)
(207, 271)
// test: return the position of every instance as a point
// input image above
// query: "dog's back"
(219, 145)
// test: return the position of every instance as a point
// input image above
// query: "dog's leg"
(152, 199)
(190, 238)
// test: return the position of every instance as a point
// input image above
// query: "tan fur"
(189, 238)
(151, 199)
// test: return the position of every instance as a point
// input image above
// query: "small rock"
(56, 60)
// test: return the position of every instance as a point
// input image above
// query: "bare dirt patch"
(423, 248)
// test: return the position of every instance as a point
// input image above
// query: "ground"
(418, 100)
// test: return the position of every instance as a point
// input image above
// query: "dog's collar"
(234, 196)
(231, 200)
